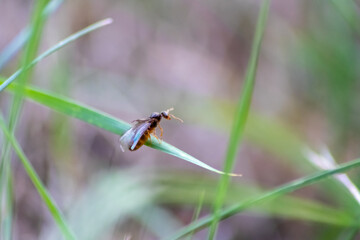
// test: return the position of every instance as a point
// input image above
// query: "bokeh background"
(190, 55)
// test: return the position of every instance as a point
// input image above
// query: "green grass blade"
(36, 27)
(47, 199)
(241, 115)
(55, 48)
(37, 24)
(350, 234)
(6, 216)
(184, 188)
(102, 120)
(277, 192)
(15, 45)
(197, 212)
(169, 149)
(348, 9)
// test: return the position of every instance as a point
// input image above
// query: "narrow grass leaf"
(197, 211)
(184, 188)
(241, 115)
(55, 48)
(47, 199)
(269, 195)
(18, 42)
(36, 27)
(14, 46)
(349, 10)
(169, 149)
(104, 121)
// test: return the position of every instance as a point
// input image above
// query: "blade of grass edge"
(20, 39)
(28, 65)
(36, 27)
(241, 115)
(55, 48)
(271, 194)
(349, 11)
(197, 211)
(47, 199)
(104, 121)
(181, 190)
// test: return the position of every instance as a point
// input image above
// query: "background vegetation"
(267, 89)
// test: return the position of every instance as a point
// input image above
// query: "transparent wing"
(139, 132)
(132, 136)
(126, 139)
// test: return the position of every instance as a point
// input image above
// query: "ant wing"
(132, 136)
(126, 139)
(139, 129)
(141, 120)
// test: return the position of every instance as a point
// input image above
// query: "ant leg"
(161, 132)
(148, 136)
(153, 134)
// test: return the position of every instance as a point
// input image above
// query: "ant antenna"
(176, 118)
(170, 109)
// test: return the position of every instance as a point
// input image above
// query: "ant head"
(166, 114)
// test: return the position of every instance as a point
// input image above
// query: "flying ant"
(136, 136)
